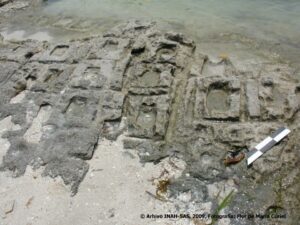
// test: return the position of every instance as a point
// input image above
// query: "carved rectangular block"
(148, 116)
(88, 75)
(47, 78)
(253, 103)
(111, 105)
(222, 101)
(277, 99)
(60, 53)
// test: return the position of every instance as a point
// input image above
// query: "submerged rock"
(167, 97)
(11, 5)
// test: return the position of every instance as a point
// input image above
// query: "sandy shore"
(113, 192)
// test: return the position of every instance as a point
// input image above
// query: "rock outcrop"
(167, 97)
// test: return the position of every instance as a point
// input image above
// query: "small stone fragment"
(8, 207)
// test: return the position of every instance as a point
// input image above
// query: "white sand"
(113, 192)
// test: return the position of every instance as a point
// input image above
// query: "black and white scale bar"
(266, 144)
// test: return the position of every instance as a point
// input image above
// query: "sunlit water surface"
(270, 19)
(276, 23)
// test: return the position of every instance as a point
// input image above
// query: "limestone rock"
(168, 99)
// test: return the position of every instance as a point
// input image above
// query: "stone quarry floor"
(107, 129)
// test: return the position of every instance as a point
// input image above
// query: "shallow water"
(277, 20)
(275, 24)
(272, 25)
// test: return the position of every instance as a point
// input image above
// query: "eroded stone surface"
(10, 5)
(168, 98)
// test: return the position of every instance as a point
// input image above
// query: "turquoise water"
(275, 24)
(272, 25)
(274, 20)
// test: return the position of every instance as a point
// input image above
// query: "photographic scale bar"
(267, 144)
